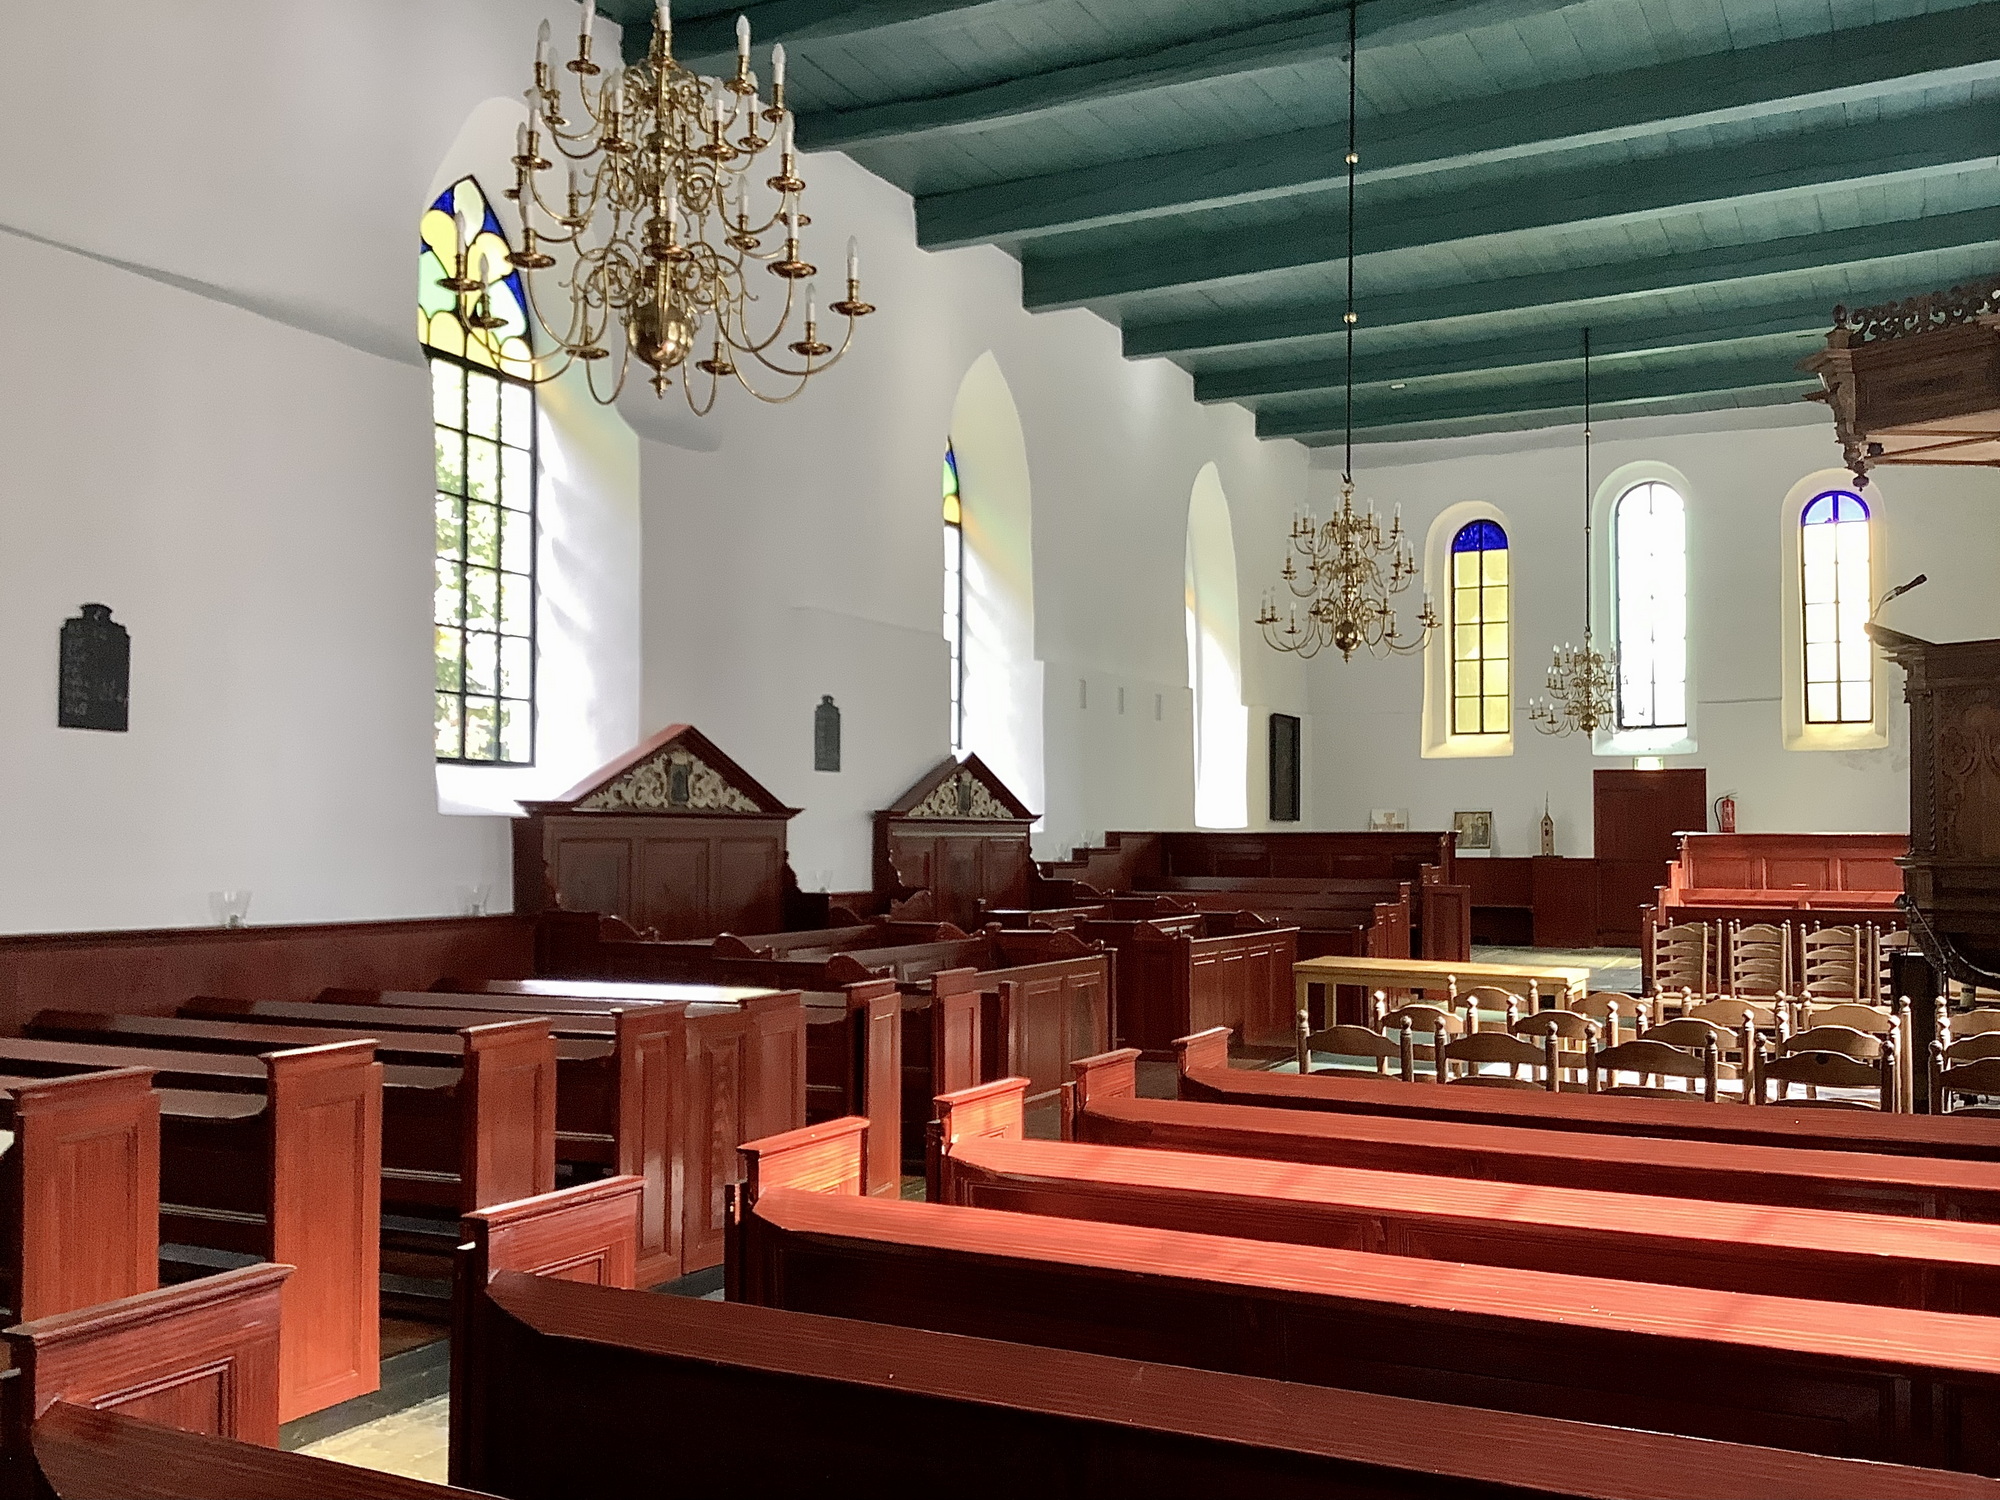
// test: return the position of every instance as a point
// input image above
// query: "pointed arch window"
(1481, 693)
(483, 411)
(1834, 584)
(1649, 548)
(954, 593)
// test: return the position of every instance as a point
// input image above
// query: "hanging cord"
(1353, 160)
(1586, 488)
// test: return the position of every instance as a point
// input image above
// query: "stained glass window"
(1481, 695)
(954, 594)
(1649, 542)
(483, 411)
(1833, 560)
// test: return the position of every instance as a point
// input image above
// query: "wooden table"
(1433, 974)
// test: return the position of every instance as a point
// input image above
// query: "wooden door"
(1640, 816)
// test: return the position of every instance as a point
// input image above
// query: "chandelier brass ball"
(661, 333)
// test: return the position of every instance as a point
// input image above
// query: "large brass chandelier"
(1582, 684)
(1352, 571)
(662, 222)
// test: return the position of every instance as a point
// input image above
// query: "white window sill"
(1470, 747)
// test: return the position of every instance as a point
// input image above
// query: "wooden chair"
(1732, 1048)
(1760, 958)
(1681, 957)
(1835, 964)
(1969, 1066)
(1353, 1041)
(1863, 1046)
(1487, 1000)
(1616, 1012)
(1571, 1031)
(1835, 1070)
(1484, 1047)
(1406, 1020)
(1887, 946)
(1651, 1059)
(1876, 1020)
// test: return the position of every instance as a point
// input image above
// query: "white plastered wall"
(1738, 471)
(217, 423)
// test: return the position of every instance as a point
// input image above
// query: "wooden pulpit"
(1951, 876)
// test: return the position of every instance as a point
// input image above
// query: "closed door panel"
(596, 875)
(674, 889)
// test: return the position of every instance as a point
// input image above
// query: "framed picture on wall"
(1284, 768)
(1389, 820)
(1475, 832)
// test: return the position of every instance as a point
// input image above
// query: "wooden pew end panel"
(1205, 1049)
(991, 1112)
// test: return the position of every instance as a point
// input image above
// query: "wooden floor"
(1610, 968)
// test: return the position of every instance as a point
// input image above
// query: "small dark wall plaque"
(95, 674)
(1284, 768)
(826, 734)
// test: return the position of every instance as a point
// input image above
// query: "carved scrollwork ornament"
(961, 796)
(673, 781)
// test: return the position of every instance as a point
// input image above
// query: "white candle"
(792, 225)
(664, 24)
(542, 45)
(743, 41)
(788, 136)
(575, 187)
(812, 304)
(853, 259)
(778, 66)
(589, 15)
(464, 228)
(718, 111)
(673, 207)
(521, 140)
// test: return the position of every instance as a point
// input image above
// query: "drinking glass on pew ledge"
(231, 908)
(473, 900)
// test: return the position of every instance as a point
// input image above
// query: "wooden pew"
(79, 1191)
(1102, 1107)
(1171, 982)
(980, 1159)
(292, 1176)
(1812, 1376)
(171, 1394)
(586, 1234)
(81, 1454)
(919, 1412)
(453, 1138)
(1205, 1075)
(202, 1356)
(727, 1073)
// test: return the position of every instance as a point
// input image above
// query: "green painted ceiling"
(1699, 180)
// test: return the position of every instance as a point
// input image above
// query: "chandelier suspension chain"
(1350, 318)
(1345, 571)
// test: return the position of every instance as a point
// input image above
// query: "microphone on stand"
(1899, 591)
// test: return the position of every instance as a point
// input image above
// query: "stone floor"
(411, 1442)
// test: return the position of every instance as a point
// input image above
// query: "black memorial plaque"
(826, 734)
(95, 675)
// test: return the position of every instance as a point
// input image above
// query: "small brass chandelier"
(660, 224)
(1582, 685)
(1352, 571)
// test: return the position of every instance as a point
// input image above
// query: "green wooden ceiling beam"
(1319, 35)
(1529, 421)
(700, 42)
(1595, 291)
(1926, 51)
(1549, 399)
(1805, 319)
(1185, 255)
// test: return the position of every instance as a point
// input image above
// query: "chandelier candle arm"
(655, 225)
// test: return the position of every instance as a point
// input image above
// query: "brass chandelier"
(1582, 685)
(660, 224)
(1352, 571)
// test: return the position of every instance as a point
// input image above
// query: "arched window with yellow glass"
(1481, 687)
(472, 320)
(1834, 585)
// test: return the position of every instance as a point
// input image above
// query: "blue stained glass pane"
(1833, 507)
(1479, 536)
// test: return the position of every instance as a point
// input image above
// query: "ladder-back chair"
(1833, 1070)
(1836, 964)
(1487, 1047)
(1682, 957)
(1760, 958)
(1651, 1059)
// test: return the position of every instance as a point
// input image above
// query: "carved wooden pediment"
(961, 791)
(678, 771)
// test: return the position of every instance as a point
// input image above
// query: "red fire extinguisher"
(1725, 813)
